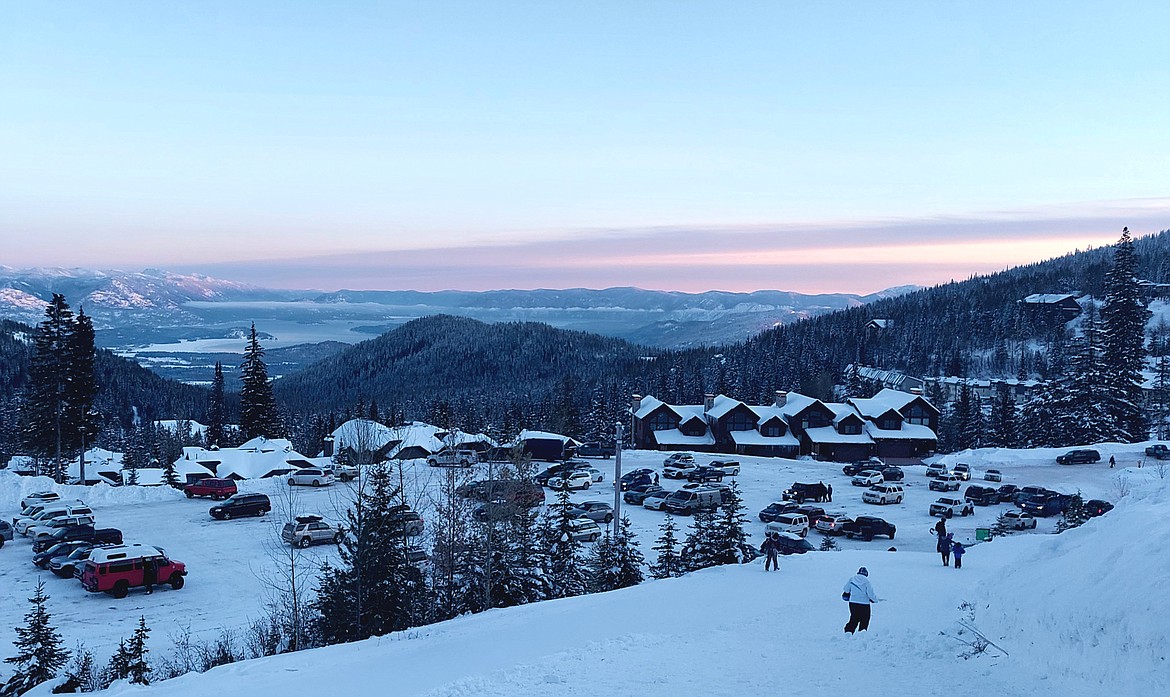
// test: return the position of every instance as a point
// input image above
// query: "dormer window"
(663, 421)
(849, 428)
(740, 421)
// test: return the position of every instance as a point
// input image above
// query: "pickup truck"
(84, 533)
(596, 449)
(1158, 451)
(866, 527)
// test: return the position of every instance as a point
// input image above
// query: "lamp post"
(617, 480)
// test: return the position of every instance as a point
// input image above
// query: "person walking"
(1112, 461)
(149, 574)
(830, 488)
(944, 548)
(940, 528)
(860, 595)
(770, 550)
(957, 549)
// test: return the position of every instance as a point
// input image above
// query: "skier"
(958, 550)
(769, 550)
(860, 595)
(944, 547)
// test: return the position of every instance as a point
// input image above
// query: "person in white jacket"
(860, 595)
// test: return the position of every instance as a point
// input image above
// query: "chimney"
(708, 401)
(637, 402)
(781, 398)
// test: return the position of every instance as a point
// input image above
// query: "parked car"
(56, 509)
(791, 543)
(729, 467)
(596, 449)
(118, 569)
(51, 525)
(873, 463)
(945, 482)
(638, 477)
(678, 459)
(636, 495)
(404, 521)
(866, 527)
(514, 491)
(656, 501)
(211, 486)
(83, 533)
(776, 508)
(936, 469)
(597, 511)
(1096, 507)
(993, 475)
(1079, 457)
(893, 474)
(1007, 493)
(1024, 493)
(883, 493)
(346, 473)
(1018, 520)
(63, 565)
(792, 523)
(867, 478)
(39, 497)
(1045, 505)
(576, 479)
(494, 511)
(800, 492)
(687, 501)
(831, 524)
(241, 505)
(705, 474)
(311, 476)
(595, 474)
(962, 471)
(309, 530)
(981, 495)
(453, 458)
(35, 509)
(948, 507)
(1158, 451)
(6, 531)
(42, 559)
(584, 530)
(679, 468)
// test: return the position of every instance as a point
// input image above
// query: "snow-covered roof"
(828, 434)
(907, 432)
(100, 465)
(673, 436)
(456, 438)
(769, 412)
(267, 445)
(757, 438)
(647, 405)
(722, 405)
(796, 403)
(545, 435)
(841, 410)
(420, 438)
(363, 434)
(1048, 298)
(264, 458)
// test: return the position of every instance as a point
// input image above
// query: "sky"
(829, 146)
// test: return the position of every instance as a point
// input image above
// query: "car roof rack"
(310, 518)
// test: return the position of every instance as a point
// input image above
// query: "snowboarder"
(149, 575)
(944, 548)
(1112, 461)
(860, 595)
(769, 550)
(830, 492)
(958, 550)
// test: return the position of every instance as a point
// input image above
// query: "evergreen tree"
(39, 651)
(729, 537)
(1075, 515)
(82, 388)
(568, 575)
(47, 430)
(828, 544)
(1001, 527)
(1085, 408)
(119, 666)
(216, 410)
(1124, 317)
(968, 419)
(82, 672)
(137, 667)
(702, 547)
(628, 558)
(519, 577)
(1001, 427)
(170, 476)
(668, 563)
(258, 415)
(1159, 402)
(603, 565)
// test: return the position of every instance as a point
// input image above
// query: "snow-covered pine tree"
(702, 544)
(119, 666)
(1086, 416)
(668, 564)
(258, 414)
(216, 409)
(82, 671)
(47, 431)
(82, 388)
(567, 572)
(1002, 424)
(39, 650)
(1159, 402)
(170, 476)
(1075, 515)
(137, 666)
(602, 564)
(628, 557)
(969, 419)
(520, 577)
(728, 534)
(1000, 526)
(828, 544)
(1124, 318)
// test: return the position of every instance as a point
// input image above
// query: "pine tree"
(668, 563)
(519, 577)
(702, 545)
(216, 410)
(47, 431)
(1075, 515)
(258, 415)
(729, 536)
(1124, 319)
(39, 650)
(1001, 527)
(602, 565)
(828, 544)
(137, 667)
(82, 388)
(568, 575)
(628, 557)
(170, 476)
(119, 666)
(1001, 427)
(83, 672)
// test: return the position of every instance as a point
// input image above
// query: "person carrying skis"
(860, 595)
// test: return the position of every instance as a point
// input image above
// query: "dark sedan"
(636, 495)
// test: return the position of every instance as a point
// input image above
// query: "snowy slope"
(1078, 613)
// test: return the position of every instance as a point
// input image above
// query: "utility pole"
(617, 480)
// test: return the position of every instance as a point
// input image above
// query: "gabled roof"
(258, 458)
(364, 435)
(1048, 298)
(797, 403)
(768, 413)
(673, 436)
(545, 435)
(898, 400)
(456, 438)
(906, 432)
(647, 405)
(722, 406)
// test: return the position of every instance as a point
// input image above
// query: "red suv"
(217, 489)
(116, 570)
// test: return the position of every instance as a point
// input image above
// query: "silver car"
(311, 476)
(597, 511)
(309, 530)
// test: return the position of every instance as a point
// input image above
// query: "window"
(849, 428)
(772, 429)
(888, 424)
(740, 421)
(663, 421)
(917, 415)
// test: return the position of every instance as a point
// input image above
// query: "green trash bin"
(982, 534)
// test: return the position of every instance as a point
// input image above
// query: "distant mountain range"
(157, 314)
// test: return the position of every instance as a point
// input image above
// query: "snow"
(673, 436)
(544, 435)
(757, 438)
(1079, 613)
(194, 428)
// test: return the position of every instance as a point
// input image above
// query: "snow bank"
(14, 487)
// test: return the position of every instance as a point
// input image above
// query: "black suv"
(1079, 457)
(866, 526)
(981, 495)
(891, 473)
(596, 449)
(775, 509)
(82, 533)
(705, 474)
(800, 492)
(240, 505)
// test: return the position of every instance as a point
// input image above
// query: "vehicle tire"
(304, 542)
(190, 495)
(949, 513)
(264, 510)
(337, 539)
(121, 589)
(292, 482)
(226, 515)
(316, 482)
(867, 535)
(609, 517)
(177, 581)
(588, 484)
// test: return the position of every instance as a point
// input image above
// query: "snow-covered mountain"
(160, 307)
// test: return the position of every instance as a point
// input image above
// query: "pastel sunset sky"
(808, 146)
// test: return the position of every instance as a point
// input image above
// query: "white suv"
(947, 508)
(584, 530)
(66, 521)
(867, 478)
(311, 476)
(795, 523)
(945, 482)
(883, 494)
(1018, 520)
(676, 466)
(729, 467)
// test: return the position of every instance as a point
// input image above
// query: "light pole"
(617, 480)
